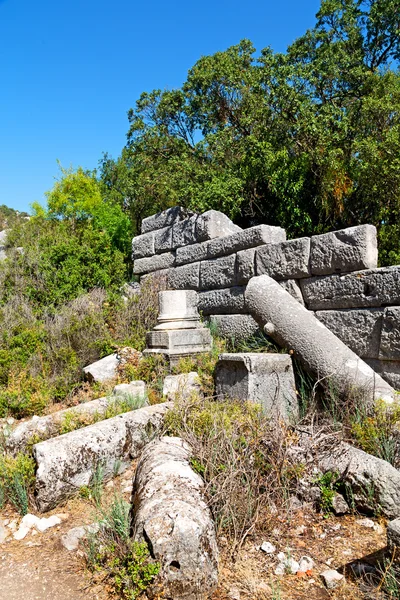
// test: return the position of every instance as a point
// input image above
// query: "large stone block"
(178, 341)
(286, 260)
(375, 287)
(320, 351)
(390, 337)
(292, 286)
(359, 329)
(237, 327)
(247, 238)
(389, 370)
(154, 263)
(163, 240)
(165, 218)
(68, 462)
(213, 224)
(170, 514)
(267, 379)
(103, 369)
(185, 277)
(143, 246)
(245, 265)
(227, 301)
(218, 272)
(192, 253)
(185, 232)
(350, 249)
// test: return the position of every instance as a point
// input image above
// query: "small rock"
(331, 578)
(234, 593)
(267, 547)
(109, 485)
(366, 523)
(21, 532)
(10, 421)
(339, 505)
(30, 521)
(300, 530)
(289, 565)
(3, 532)
(71, 539)
(44, 523)
(378, 528)
(306, 564)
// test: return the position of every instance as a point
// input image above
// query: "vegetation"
(17, 476)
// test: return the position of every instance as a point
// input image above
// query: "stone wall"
(334, 274)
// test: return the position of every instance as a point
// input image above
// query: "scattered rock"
(331, 578)
(71, 539)
(393, 536)
(182, 386)
(234, 593)
(44, 523)
(268, 547)
(21, 532)
(339, 505)
(103, 369)
(287, 565)
(3, 532)
(306, 564)
(366, 523)
(300, 530)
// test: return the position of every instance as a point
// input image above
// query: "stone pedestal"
(267, 379)
(178, 332)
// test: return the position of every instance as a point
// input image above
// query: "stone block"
(389, 370)
(177, 310)
(185, 277)
(237, 327)
(143, 246)
(178, 341)
(267, 379)
(163, 240)
(154, 263)
(182, 387)
(343, 251)
(375, 287)
(192, 253)
(218, 272)
(292, 286)
(228, 301)
(68, 462)
(103, 369)
(245, 265)
(286, 260)
(134, 388)
(247, 238)
(359, 329)
(390, 337)
(184, 232)
(214, 224)
(165, 218)
(393, 537)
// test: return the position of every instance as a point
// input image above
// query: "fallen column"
(171, 516)
(321, 353)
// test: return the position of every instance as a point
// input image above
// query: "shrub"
(17, 476)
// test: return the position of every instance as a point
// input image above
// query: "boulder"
(165, 218)
(103, 369)
(170, 514)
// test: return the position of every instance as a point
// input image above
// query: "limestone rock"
(214, 224)
(134, 388)
(393, 536)
(165, 218)
(182, 386)
(286, 260)
(332, 578)
(236, 327)
(71, 539)
(227, 301)
(103, 369)
(344, 251)
(170, 514)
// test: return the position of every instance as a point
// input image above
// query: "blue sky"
(70, 71)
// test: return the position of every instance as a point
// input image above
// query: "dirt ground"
(40, 568)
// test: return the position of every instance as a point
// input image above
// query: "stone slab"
(237, 327)
(218, 272)
(185, 277)
(68, 462)
(374, 287)
(227, 301)
(214, 224)
(343, 251)
(286, 260)
(143, 245)
(192, 253)
(390, 336)
(103, 369)
(154, 263)
(163, 240)
(359, 329)
(165, 218)
(245, 265)
(267, 379)
(389, 370)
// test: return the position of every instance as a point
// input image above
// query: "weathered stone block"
(178, 341)
(359, 329)
(182, 386)
(184, 232)
(134, 388)
(192, 253)
(165, 218)
(375, 287)
(389, 370)
(292, 286)
(267, 379)
(245, 265)
(237, 327)
(218, 272)
(247, 238)
(393, 537)
(229, 301)
(390, 337)
(68, 462)
(185, 277)
(350, 249)
(103, 369)
(213, 224)
(286, 260)
(154, 263)
(171, 515)
(143, 245)
(163, 240)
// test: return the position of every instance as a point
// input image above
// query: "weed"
(96, 484)
(17, 476)
(328, 486)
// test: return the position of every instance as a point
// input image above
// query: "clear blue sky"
(70, 71)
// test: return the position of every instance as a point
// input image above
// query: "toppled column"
(171, 516)
(293, 327)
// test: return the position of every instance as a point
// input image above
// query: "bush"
(17, 476)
